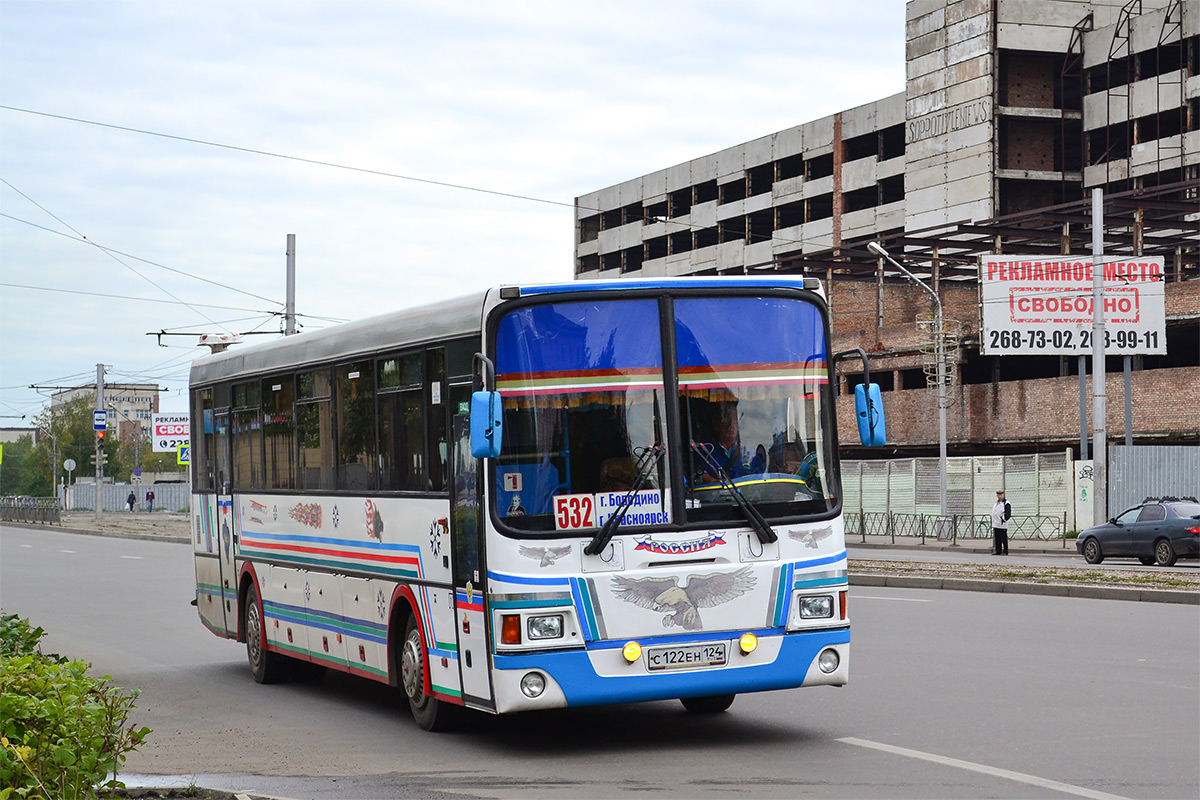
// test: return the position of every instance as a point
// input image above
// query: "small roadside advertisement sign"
(169, 431)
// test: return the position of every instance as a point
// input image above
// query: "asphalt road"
(952, 694)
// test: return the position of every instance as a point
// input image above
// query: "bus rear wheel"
(267, 667)
(430, 713)
(712, 704)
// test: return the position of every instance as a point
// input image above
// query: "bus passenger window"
(356, 426)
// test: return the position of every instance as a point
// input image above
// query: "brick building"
(1012, 113)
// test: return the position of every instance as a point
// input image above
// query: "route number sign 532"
(573, 511)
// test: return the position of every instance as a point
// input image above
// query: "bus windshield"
(586, 412)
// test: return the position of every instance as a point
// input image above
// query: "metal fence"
(44, 510)
(167, 496)
(951, 527)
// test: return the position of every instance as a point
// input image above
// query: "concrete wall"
(950, 112)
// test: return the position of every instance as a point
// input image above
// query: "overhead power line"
(136, 299)
(286, 157)
(81, 239)
(363, 170)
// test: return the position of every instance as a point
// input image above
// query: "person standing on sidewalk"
(131, 501)
(1001, 514)
(150, 500)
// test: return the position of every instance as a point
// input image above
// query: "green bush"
(19, 638)
(62, 731)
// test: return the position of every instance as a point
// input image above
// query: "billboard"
(1040, 306)
(169, 431)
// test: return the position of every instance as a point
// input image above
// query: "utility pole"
(1099, 375)
(289, 313)
(100, 443)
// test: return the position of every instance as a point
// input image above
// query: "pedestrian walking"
(150, 500)
(131, 501)
(1001, 514)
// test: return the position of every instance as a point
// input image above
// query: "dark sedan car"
(1157, 532)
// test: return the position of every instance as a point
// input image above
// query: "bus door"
(226, 522)
(466, 532)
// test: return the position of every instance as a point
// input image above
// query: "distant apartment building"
(1012, 113)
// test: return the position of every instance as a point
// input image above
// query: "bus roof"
(396, 329)
(429, 323)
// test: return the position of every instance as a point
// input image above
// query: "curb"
(1091, 592)
(146, 537)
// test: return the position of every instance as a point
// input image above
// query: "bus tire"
(430, 713)
(712, 704)
(267, 667)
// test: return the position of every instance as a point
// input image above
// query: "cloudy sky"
(155, 155)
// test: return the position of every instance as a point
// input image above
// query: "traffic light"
(101, 458)
(100, 436)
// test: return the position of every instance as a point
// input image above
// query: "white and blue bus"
(535, 497)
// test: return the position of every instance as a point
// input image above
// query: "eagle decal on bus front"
(544, 555)
(681, 604)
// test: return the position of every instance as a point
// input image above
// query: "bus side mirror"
(487, 424)
(868, 409)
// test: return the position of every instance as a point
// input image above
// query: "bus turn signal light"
(510, 629)
(748, 643)
(632, 652)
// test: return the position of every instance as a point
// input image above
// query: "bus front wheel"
(266, 666)
(711, 704)
(429, 712)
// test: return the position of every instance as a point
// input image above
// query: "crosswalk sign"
(184, 454)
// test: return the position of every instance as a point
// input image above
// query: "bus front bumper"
(600, 674)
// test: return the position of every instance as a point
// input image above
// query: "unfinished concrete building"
(1013, 112)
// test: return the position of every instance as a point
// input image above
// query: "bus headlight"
(549, 626)
(816, 607)
(828, 660)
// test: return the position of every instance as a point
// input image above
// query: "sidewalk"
(1050, 547)
(164, 526)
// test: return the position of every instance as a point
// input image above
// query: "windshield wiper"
(646, 462)
(766, 534)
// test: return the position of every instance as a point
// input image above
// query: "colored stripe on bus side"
(781, 595)
(584, 610)
(524, 580)
(215, 591)
(407, 555)
(344, 563)
(335, 623)
(531, 603)
(353, 667)
(222, 631)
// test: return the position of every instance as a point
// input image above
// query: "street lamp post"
(940, 355)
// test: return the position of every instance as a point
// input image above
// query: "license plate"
(688, 656)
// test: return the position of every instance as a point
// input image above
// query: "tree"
(66, 433)
(15, 455)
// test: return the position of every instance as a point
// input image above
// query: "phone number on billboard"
(1073, 340)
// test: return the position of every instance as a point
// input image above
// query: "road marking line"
(66, 551)
(1032, 780)
(27, 545)
(897, 599)
(133, 558)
